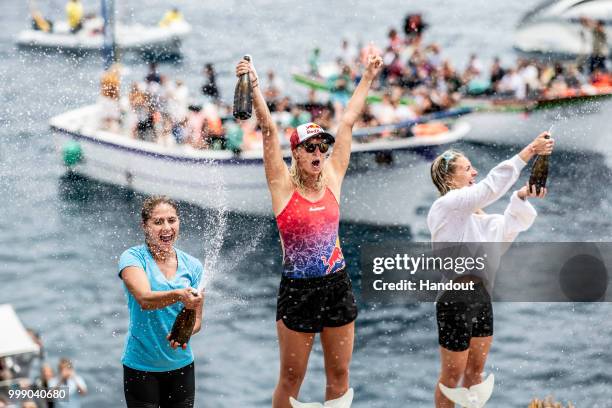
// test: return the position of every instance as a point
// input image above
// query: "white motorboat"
(221, 178)
(17, 349)
(554, 27)
(136, 38)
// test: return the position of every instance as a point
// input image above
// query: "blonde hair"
(442, 169)
(298, 179)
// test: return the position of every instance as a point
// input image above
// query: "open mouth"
(166, 238)
(316, 163)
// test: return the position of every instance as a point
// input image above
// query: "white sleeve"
(518, 217)
(81, 383)
(495, 185)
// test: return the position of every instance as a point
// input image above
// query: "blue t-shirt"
(146, 347)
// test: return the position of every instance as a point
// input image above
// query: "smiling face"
(162, 227)
(310, 164)
(464, 174)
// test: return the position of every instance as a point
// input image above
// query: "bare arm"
(276, 170)
(138, 285)
(342, 148)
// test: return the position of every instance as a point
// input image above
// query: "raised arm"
(277, 173)
(499, 180)
(138, 285)
(342, 147)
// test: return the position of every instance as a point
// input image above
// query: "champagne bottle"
(539, 171)
(243, 96)
(183, 326)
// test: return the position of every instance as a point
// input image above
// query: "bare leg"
(337, 345)
(294, 348)
(453, 365)
(478, 352)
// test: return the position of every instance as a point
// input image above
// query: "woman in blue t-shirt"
(158, 280)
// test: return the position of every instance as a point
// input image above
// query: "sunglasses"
(311, 147)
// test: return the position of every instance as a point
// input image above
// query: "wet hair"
(298, 179)
(442, 169)
(151, 203)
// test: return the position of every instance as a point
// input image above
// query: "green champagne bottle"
(183, 326)
(243, 96)
(539, 171)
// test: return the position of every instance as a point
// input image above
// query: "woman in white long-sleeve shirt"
(465, 318)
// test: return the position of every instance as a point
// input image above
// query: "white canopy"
(14, 339)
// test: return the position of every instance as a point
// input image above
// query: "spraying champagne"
(539, 171)
(243, 96)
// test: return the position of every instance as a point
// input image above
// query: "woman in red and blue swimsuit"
(315, 294)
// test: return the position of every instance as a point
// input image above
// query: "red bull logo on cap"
(313, 129)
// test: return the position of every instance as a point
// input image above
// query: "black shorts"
(308, 305)
(166, 389)
(463, 314)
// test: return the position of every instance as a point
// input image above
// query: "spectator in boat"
(74, 14)
(274, 88)
(384, 112)
(141, 108)
(401, 112)
(497, 72)
(414, 26)
(473, 69)
(283, 113)
(348, 53)
(574, 78)
(367, 119)
(599, 45)
(171, 17)
(5, 370)
(67, 377)
(178, 97)
(434, 56)
(195, 124)
(40, 23)
(393, 70)
(547, 73)
(341, 89)
(42, 382)
(210, 88)
(212, 129)
(314, 61)
(512, 85)
(158, 100)
(395, 41)
(451, 77)
(153, 75)
(530, 75)
(108, 102)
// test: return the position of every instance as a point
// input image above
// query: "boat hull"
(376, 190)
(129, 39)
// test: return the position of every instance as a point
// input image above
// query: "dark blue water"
(60, 236)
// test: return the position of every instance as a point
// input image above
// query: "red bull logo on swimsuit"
(336, 257)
